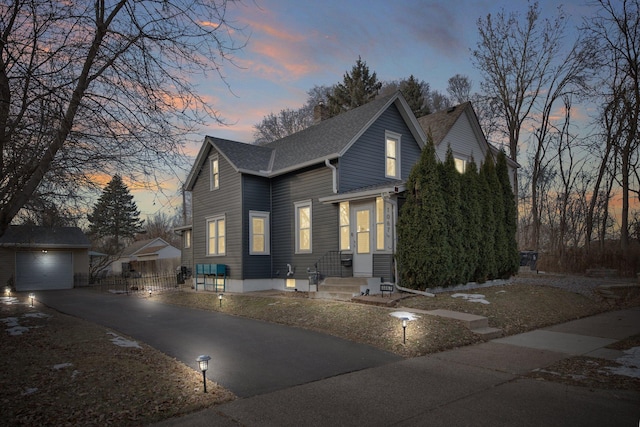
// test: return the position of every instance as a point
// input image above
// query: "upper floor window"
(461, 164)
(216, 240)
(258, 233)
(345, 233)
(215, 173)
(186, 239)
(392, 155)
(303, 226)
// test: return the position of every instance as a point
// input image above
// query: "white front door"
(362, 234)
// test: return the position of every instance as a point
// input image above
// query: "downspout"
(335, 175)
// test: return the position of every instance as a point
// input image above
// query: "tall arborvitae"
(450, 180)
(423, 253)
(472, 214)
(486, 268)
(512, 258)
(500, 236)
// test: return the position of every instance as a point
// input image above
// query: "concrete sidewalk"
(480, 385)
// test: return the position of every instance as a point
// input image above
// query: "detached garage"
(42, 258)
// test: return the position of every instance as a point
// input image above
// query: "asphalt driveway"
(248, 357)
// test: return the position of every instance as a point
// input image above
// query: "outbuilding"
(43, 258)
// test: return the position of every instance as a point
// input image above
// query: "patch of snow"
(37, 315)
(62, 365)
(471, 298)
(501, 292)
(404, 314)
(74, 374)
(17, 330)
(10, 321)
(123, 342)
(9, 300)
(630, 363)
(29, 391)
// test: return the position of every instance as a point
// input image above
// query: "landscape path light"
(7, 291)
(203, 363)
(220, 299)
(405, 320)
(32, 296)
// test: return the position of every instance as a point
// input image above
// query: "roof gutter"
(334, 171)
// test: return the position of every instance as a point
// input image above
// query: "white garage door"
(44, 270)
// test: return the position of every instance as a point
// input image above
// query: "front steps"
(340, 288)
(479, 325)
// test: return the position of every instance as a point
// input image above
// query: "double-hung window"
(461, 164)
(379, 223)
(258, 233)
(216, 240)
(392, 155)
(187, 239)
(345, 232)
(303, 226)
(214, 165)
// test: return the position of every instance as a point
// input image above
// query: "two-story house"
(324, 199)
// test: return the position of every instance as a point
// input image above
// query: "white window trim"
(212, 181)
(208, 243)
(397, 137)
(267, 232)
(187, 239)
(297, 206)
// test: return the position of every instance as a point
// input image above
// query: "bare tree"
(459, 88)
(615, 40)
(515, 57)
(100, 87)
(289, 121)
(161, 225)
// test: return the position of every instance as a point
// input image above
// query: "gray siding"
(308, 184)
(383, 267)
(225, 200)
(256, 196)
(363, 165)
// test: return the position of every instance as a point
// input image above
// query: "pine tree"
(512, 261)
(357, 88)
(115, 216)
(412, 91)
(423, 254)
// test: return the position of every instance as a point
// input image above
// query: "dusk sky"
(294, 45)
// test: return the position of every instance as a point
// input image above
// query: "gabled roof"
(326, 140)
(145, 247)
(439, 124)
(32, 236)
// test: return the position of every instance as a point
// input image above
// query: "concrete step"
(338, 296)
(488, 333)
(471, 321)
(339, 288)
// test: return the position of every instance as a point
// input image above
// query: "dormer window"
(215, 173)
(392, 155)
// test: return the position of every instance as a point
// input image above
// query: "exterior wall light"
(32, 296)
(203, 363)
